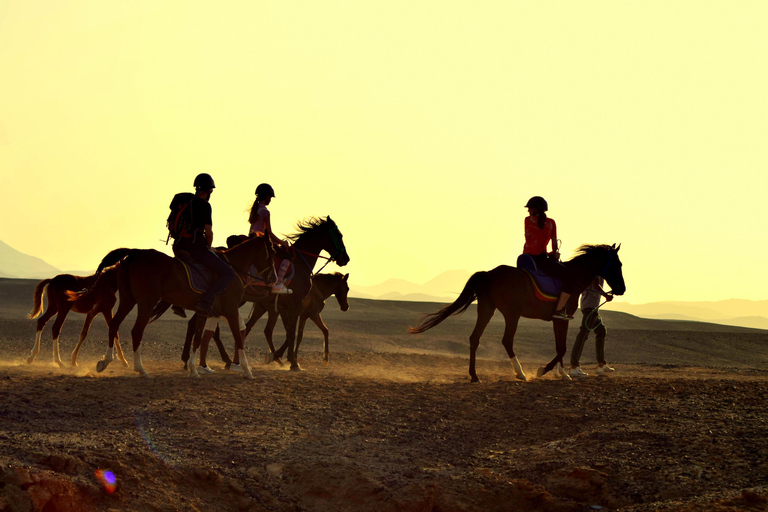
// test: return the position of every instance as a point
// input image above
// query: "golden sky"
(421, 127)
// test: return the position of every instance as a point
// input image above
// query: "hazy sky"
(421, 127)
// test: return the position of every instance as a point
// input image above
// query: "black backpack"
(180, 219)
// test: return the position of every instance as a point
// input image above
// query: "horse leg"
(269, 330)
(289, 322)
(560, 328)
(126, 305)
(485, 310)
(508, 340)
(300, 331)
(118, 348)
(257, 311)
(222, 351)
(57, 325)
(191, 325)
(233, 320)
(52, 310)
(200, 323)
(83, 333)
(317, 319)
(142, 319)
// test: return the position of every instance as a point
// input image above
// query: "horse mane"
(586, 250)
(308, 225)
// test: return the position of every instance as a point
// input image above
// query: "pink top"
(262, 217)
(536, 239)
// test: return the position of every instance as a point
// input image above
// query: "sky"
(421, 128)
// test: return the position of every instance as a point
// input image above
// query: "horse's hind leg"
(126, 305)
(52, 310)
(142, 319)
(57, 325)
(83, 333)
(233, 320)
(318, 320)
(485, 310)
(508, 340)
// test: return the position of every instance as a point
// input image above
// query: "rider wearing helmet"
(260, 224)
(539, 232)
(199, 244)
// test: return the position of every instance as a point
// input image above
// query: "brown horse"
(511, 291)
(314, 235)
(102, 300)
(147, 276)
(323, 286)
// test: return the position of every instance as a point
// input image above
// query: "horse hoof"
(522, 378)
(295, 367)
(475, 380)
(269, 358)
(101, 366)
(30, 359)
(125, 363)
(248, 375)
(279, 361)
(325, 362)
(541, 371)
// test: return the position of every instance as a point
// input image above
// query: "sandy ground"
(382, 431)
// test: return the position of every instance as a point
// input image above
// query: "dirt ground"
(384, 432)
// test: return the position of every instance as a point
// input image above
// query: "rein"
(336, 244)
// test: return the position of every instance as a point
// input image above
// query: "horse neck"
(243, 255)
(585, 269)
(325, 285)
(310, 247)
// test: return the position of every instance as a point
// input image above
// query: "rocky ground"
(384, 432)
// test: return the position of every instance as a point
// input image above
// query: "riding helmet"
(265, 190)
(204, 182)
(537, 202)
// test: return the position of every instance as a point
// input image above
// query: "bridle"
(338, 248)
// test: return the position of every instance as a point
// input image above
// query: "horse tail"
(160, 308)
(477, 283)
(37, 308)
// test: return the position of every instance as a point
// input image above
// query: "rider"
(539, 231)
(199, 244)
(260, 224)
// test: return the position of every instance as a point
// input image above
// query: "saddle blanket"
(546, 288)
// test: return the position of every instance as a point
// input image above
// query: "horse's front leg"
(289, 322)
(137, 333)
(197, 333)
(125, 307)
(560, 328)
(83, 333)
(233, 319)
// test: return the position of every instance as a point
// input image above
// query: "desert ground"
(391, 424)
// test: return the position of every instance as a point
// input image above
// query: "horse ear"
(618, 247)
(346, 277)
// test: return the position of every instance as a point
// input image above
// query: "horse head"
(336, 248)
(341, 290)
(612, 272)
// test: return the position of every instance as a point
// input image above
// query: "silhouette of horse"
(102, 300)
(511, 290)
(147, 276)
(323, 286)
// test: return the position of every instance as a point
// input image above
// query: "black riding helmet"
(264, 191)
(537, 202)
(204, 182)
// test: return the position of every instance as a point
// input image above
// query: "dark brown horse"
(511, 291)
(314, 235)
(323, 286)
(147, 276)
(102, 300)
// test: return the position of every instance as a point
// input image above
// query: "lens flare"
(107, 479)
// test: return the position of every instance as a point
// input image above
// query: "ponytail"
(542, 219)
(254, 211)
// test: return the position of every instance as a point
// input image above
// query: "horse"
(511, 290)
(102, 300)
(147, 276)
(323, 286)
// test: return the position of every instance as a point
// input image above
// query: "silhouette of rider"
(260, 224)
(539, 231)
(199, 244)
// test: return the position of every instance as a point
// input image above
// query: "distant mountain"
(442, 288)
(446, 287)
(19, 265)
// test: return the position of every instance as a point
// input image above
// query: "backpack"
(180, 219)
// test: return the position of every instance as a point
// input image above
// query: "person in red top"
(540, 230)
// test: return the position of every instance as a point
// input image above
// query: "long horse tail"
(476, 283)
(37, 308)
(160, 308)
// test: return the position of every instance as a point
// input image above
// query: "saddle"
(255, 279)
(546, 287)
(199, 277)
